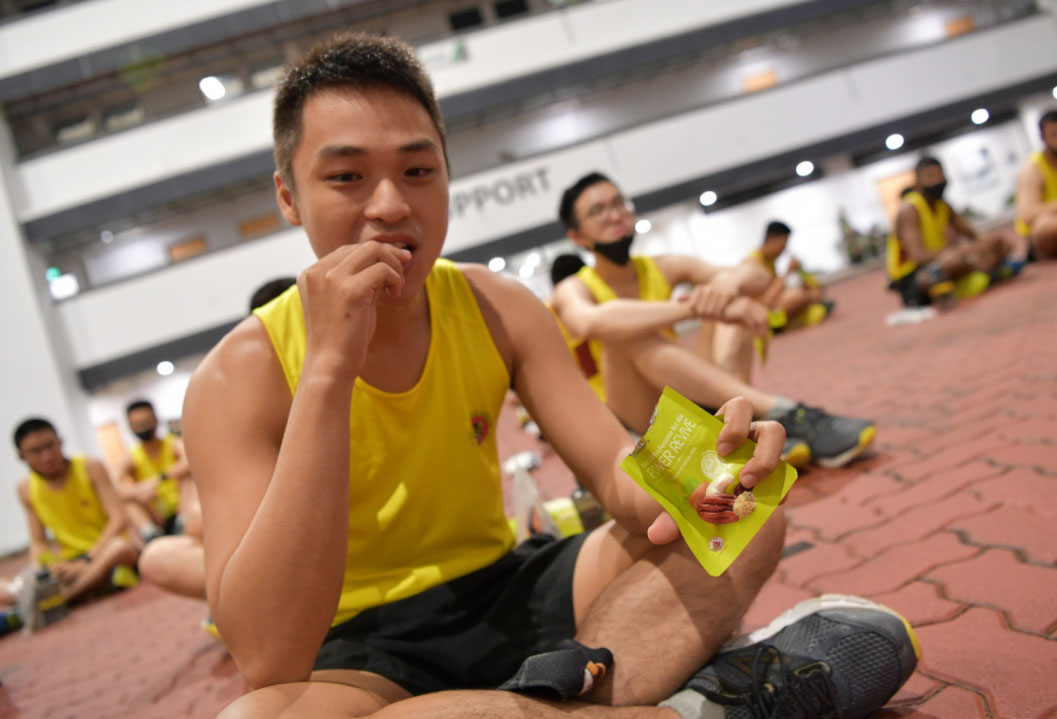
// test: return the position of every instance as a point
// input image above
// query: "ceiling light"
(894, 141)
(643, 226)
(708, 198)
(212, 88)
(533, 258)
(496, 264)
(165, 368)
(106, 236)
(805, 168)
(64, 287)
(980, 116)
(1055, 92)
(525, 271)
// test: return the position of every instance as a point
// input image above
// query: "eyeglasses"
(617, 203)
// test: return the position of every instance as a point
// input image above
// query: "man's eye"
(343, 177)
(420, 172)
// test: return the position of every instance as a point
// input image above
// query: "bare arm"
(584, 432)
(617, 320)
(908, 231)
(116, 520)
(181, 468)
(743, 279)
(1030, 194)
(38, 540)
(961, 227)
(273, 473)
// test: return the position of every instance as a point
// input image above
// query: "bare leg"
(1044, 236)
(732, 351)
(794, 300)
(690, 615)
(176, 564)
(636, 373)
(114, 553)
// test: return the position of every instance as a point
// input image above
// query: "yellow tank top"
(653, 286)
(425, 500)
(72, 513)
(168, 500)
(587, 355)
(933, 235)
(1049, 188)
(767, 264)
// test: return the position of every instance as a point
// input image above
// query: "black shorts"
(470, 633)
(909, 289)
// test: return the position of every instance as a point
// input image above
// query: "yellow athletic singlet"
(72, 513)
(168, 500)
(587, 355)
(653, 286)
(933, 235)
(1049, 188)
(425, 500)
(767, 264)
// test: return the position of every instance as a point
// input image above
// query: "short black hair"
(138, 404)
(927, 161)
(572, 194)
(565, 266)
(269, 291)
(349, 60)
(777, 228)
(906, 191)
(1047, 117)
(28, 427)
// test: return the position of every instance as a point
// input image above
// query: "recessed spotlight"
(805, 168)
(643, 226)
(165, 368)
(525, 271)
(1055, 92)
(534, 258)
(708, 198)
(106, 236)
(894, 141)
(212, 88)
(980, 116)
(496, 264)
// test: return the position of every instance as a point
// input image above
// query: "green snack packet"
(677, 463)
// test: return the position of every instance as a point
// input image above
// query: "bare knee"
(1044, 237)
(157, 564)
(307, 700)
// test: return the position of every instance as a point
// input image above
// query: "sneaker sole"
(826, 602)
(798, 456)
(839, 460)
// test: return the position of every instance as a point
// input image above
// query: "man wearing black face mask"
(154, 479)
(624, 305)
(933, 246)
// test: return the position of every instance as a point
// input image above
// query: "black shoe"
(834, 440)
(832, 657)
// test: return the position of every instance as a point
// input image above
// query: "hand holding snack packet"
(679, 464)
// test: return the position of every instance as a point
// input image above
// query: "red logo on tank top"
(480, 426)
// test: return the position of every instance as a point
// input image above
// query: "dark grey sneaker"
(834, 440)
(832, 657)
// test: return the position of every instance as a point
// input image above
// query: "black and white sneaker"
(831, 657)
(834, 440)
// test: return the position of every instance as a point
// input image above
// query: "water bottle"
(48, 606)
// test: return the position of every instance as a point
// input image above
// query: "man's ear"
(576, 236)
(284, 196)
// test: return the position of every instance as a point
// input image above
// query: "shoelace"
(813, 694)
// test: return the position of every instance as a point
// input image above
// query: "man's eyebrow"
(420, 146)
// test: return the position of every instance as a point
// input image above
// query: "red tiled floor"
(967, 421)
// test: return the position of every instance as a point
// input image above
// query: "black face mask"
(146, 435)
(618, 252)
(934, 192)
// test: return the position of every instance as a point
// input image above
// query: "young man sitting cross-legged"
(358, 562)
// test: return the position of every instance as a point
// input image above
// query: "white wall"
(89, 26)
(33, 381)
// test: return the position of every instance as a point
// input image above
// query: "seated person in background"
(933, 245)
(74, 500)
(1037, 193)
(623, 304)
(795, 292)
(156, 478)
(357, 556)
(588, 355)
(177, 564)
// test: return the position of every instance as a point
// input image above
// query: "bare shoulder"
(95, 468)
(510, 310)
(23, 490)
(240, 380)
